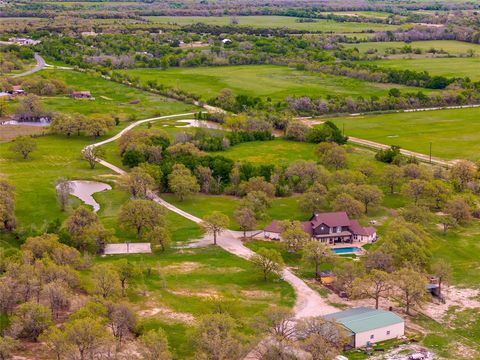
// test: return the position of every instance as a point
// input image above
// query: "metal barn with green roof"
(368, 325)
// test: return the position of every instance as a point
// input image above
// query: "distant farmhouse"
(24, 41)
(89, 33)
(329, 228)
(82, 95)
(16, 90)
(367, 326)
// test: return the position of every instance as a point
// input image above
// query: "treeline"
(396, 100)
(371, 72)
(466, 33)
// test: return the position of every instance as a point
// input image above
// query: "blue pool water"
(346, 250)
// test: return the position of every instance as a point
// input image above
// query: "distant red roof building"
(81, 95)
(331, 228)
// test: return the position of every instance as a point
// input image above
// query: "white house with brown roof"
(329, 228)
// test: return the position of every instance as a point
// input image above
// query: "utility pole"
(430, 152)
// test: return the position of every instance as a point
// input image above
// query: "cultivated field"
(275, 22)
(454, 134)
(276, 82)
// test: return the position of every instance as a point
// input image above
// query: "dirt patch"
(10, 132)
(460, 298)
(258, 294)
(206, 293)
(183, 267)
(402, 352)
(168, 314)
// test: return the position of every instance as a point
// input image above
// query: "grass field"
(276, 82)
(368, 14)
(110, 98)
(275, 22)
(451, 67)
(187, 284)
(450, 46)
(454, 134)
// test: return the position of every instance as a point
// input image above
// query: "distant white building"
(367, 326)
(24, 41)
(89, 33)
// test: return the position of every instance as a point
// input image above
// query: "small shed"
(326, 277)
(367, 326)
(17, 90)
(81, 95)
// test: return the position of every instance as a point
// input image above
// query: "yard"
(264, 81)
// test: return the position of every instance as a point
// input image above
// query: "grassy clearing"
(414, 131)
(450, 46)
(265, 81)
(193, 282)
(201, 205)
(451, 67)
(275, 22)
(110, 98)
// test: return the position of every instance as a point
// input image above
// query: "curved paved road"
(40, 65)
(308, 302)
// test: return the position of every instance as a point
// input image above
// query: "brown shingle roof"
(274, 227)
(331, 219)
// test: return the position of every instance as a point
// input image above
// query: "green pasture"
(275, 22)
(265, 81)
(110, 98)
(454, 134)
(450, 46)
(450, 67)
(368, 14)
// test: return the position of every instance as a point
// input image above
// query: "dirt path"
(40, 65)
(308, 302)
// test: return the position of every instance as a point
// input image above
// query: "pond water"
(84, 189)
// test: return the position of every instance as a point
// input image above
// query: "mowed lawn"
(275, 82)
(289, 22)
(450, 46)
(454, 134)
(450, 67)
(110, 98)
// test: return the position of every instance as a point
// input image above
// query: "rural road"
(308, 302)
(40, 65)
(419, 156)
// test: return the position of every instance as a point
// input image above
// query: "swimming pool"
(347, 250)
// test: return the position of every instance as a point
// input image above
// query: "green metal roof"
(363, 319)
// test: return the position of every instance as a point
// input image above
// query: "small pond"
(84, 189)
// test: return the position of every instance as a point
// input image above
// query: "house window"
(388, 332)
(372, 337)
(339, 229)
